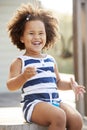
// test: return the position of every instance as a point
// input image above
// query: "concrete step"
(11, 118)
(85, 123)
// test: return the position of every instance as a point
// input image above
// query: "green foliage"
(63, 49)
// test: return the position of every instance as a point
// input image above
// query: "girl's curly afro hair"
(26, 13)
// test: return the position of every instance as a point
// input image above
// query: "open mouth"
(36, 43)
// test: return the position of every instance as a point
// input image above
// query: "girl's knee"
(76, 123)
(59, 118)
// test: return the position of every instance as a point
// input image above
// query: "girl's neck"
(35, 55)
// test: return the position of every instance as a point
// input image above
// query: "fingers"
(82, 89)
(30, 72)
(73, 82)
(30, 69)
(78, 89)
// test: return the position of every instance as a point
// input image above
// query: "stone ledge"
(11, 118)
(23, 126)
(85, 123)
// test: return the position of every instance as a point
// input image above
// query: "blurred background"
(70, 51)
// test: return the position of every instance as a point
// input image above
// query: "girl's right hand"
(29, 72)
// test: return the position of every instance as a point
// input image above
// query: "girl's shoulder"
(16, 64)
(51, 57)
(22, 57)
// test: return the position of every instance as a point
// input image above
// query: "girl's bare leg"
(73, 118)
(48, 115)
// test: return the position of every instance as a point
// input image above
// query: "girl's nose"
(36, 36)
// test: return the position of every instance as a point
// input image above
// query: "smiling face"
(34, 37)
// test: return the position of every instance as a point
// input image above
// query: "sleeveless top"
(42, 86)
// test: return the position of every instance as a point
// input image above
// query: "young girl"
(36, 73)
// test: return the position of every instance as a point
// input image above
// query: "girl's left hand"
(78, 89)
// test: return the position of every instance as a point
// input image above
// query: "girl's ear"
(21, 39)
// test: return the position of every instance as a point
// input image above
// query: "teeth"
(36, 43)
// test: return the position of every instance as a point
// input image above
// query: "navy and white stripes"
(41, 87)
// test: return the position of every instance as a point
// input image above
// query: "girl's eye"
(31, 33)
(41, 33)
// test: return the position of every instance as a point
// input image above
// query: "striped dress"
(41, 87)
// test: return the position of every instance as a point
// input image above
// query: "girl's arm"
(69, 85)
(61, 83)
(16, 77)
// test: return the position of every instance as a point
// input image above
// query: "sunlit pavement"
(68, 97)
(11, 116)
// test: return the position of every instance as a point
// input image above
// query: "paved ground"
(10, 99)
